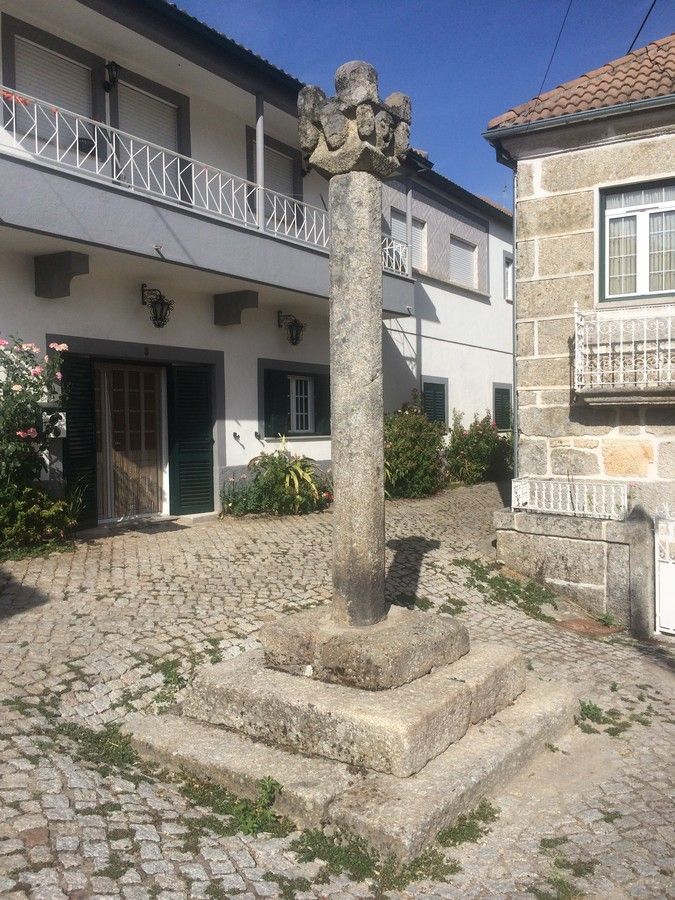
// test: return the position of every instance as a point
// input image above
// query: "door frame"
(662, 558)
(160, 355)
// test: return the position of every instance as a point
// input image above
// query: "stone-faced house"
(594, 163)
(138, 147)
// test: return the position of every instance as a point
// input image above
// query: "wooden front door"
(128, 440)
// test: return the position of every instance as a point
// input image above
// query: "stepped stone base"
(396, 651)
(396, 731)
(396, 815)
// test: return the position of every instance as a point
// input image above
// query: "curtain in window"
(622, 255)
(662, 251)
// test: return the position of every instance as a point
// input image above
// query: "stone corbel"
(227, 308)
(55, 271)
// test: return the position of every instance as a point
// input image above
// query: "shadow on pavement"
(403, 574)
(16, 598)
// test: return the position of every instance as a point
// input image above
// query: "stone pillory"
(355, 139)
(372, 722)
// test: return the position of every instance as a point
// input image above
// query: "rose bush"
(414, 464)
(29, 392)
(478, 452)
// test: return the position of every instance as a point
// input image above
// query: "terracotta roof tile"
(641, 75)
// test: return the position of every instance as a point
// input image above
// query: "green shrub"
(280, 484)
(413, 453)
(479, 452)
(30, 519)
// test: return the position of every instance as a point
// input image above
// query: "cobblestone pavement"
(120, 625)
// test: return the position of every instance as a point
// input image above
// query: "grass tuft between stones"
(528, 596)
(469, 827)
(344, 853)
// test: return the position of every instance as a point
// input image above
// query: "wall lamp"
(293, 326)
(159, 303)
(112, 70)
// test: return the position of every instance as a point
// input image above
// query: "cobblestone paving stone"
(120, 625)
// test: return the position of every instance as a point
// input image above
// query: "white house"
(139, 147)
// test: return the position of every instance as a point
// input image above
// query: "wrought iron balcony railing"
(593, 499)
(626, 352)
(55, 137)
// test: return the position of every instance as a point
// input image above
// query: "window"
(433, 401)
(639, 242)
(508, 278)
(502, 407)
(419, 237)
(147, 117)
(52, 77)
(462, 262)
(302, 403)
(294, 403)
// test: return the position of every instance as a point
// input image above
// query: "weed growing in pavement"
(562, 890)
(610, 815)
(607, 619)
(352, 855)
(115, 868)
(469, 826)
(452, 605)
(529, 596)
(552, 843)
(410, 601)
(288, 886)
(247, 816)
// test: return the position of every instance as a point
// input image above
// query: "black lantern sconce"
(159, 303)
(112, 71)
(293, 326)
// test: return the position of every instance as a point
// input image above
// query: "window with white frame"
(463, 262)
(302, 404)
(639, 242)
(508, 278)
(419, 237)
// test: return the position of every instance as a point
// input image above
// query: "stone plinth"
(396, 731)
(404, 646)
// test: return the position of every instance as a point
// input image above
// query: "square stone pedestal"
(403, 647)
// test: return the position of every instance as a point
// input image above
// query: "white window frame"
(420, 226)
(641, 213)
(293, 380)
(474, 251)
(508, 277)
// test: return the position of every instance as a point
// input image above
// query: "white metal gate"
(665, 575)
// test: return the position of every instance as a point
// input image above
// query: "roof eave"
(495, 135)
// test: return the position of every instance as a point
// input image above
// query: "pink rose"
(33, 348)
(58, 347)
(4, 343)
(29, 433)
(58, 376)
(36, 370)
(17, 388)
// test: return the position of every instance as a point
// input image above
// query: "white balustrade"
(38, 130)
(624, 350)
(593, 499)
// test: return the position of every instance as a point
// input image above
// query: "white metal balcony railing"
(625, 350)
(56, 137)
(394, 255)
(593, 499)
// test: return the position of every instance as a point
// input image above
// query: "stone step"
(400, 816)
(394, 731)
(395, 815)
(238, 763)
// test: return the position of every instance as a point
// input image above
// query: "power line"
(555, 47)
(642, 25)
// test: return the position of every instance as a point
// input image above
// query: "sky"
(461, 61)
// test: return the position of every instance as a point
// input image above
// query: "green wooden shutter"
(321, 404)
(190, 440)
(433, 401)
(79, 445)
(503, 408)
(276, 401)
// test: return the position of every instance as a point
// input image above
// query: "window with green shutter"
(502, 407)
(433, 401)
(295, 402)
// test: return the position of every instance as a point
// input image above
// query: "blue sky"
(462, 61)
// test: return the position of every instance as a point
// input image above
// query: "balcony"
(625, 355)
(39, 132)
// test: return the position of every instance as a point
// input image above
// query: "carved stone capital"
(354, 131)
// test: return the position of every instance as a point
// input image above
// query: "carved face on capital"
(355, 130)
